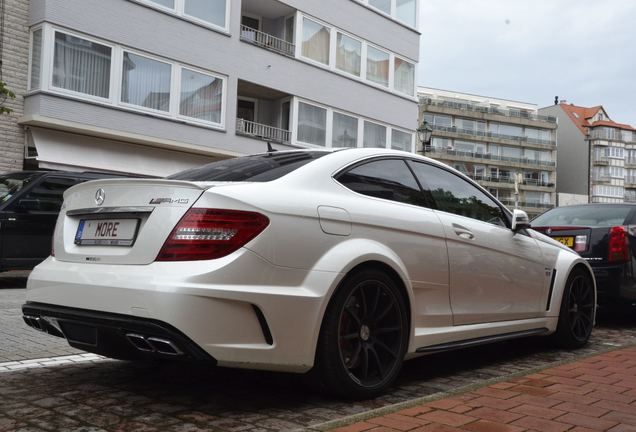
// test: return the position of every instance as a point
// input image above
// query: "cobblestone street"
(105, 395)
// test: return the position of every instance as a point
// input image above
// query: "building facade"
(156, 86)
(506, 146)
(597, 156)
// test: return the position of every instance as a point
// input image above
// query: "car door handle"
(463, 232)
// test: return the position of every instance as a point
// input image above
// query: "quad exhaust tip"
(153, 344)
(35, 322)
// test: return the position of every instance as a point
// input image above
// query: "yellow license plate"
(568, 241)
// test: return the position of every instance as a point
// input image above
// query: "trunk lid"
(592, 245)
(122, 221)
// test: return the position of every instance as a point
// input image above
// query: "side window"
(47, 196)
(453, 194)
(389, 179)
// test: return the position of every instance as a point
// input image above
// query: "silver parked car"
(347, 261)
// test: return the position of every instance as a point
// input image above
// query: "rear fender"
(566, 262)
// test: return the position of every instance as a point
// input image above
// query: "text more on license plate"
(568, 241)
(106, 232)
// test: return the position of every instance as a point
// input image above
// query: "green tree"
(4, 94)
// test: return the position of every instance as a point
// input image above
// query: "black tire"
(578, 306)
(364, 336)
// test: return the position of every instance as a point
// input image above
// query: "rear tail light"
(618, 245)
(580, 243)
(204, 234)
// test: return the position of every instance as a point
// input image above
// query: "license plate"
(568, 241)
(106, 232)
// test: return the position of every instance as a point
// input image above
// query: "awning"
(72, 152)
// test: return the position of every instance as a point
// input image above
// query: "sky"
(584, 51)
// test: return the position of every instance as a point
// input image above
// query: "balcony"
(531, 204)
(601, 160)
(268, 24)
(630, 162)
(262, 132)
(510, 181)
(630, 182)
(267, 41)
(471, 133)
(263, 113)
(476, 108)
(487, 157)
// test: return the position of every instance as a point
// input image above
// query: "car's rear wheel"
(576, 317)
(364, 336)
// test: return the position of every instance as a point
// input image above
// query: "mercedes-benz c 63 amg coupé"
(342, 262)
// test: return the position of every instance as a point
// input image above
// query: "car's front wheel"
(364, 336)
(578, 306)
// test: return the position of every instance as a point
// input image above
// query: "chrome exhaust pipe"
(139, 342)
(35, 322)
(164, 346)
(153, 344)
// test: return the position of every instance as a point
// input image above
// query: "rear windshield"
(584, 216)
(258, 168)
(11, 184)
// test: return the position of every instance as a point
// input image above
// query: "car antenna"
(270, 149)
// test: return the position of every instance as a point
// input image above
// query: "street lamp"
(424, 134)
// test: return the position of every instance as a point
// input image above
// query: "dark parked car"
(604, 235)
(29, 204)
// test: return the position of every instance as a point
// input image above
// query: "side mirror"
(520, 220)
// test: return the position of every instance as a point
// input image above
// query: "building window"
(146, 82)
(404, 76)
(315, 41)
(312, 124)
(374, 135)
(210, 11)
(406, 11)
(36, 59)
(81, 66)
(401, 140)
(378, 66)
(201, 96)
(345, 130)
(383, 5)
(348, 54)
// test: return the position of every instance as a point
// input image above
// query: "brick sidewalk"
(594, 394)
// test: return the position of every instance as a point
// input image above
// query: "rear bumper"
(113, 335)
(615, 284)
(239, 310)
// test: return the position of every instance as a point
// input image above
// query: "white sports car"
(344, 261)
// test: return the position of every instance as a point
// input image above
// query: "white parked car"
(347, 261)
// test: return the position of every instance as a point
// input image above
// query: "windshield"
(258, 168)
(11, 184)
(593, 216)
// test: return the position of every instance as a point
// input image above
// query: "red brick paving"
(594, 394)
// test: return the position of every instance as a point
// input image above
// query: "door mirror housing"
(520, 220)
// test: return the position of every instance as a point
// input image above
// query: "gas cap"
(334, 220)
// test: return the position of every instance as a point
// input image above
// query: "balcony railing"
(509, 180)
(601, 159)
(488, 156)
(526, 204)
(467, 106)
(261, 131)
(484, 134)
(265, 40)
(630, 182)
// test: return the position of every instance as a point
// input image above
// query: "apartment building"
(597, 156)
(506, 146)
(156, 86)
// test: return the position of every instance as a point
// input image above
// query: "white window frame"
(329, 123)
(116, 74)
(179, 12)
(387, 133)
(389, 83)
(177, 97)
(30, 65)
(129, 105)
(49, 43)
(330, 56)
(335, 50)
(404, 59)
(393, 14)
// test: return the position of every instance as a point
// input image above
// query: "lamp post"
(424, 134)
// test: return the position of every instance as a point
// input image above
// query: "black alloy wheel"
(576, 317)
(364, 336)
